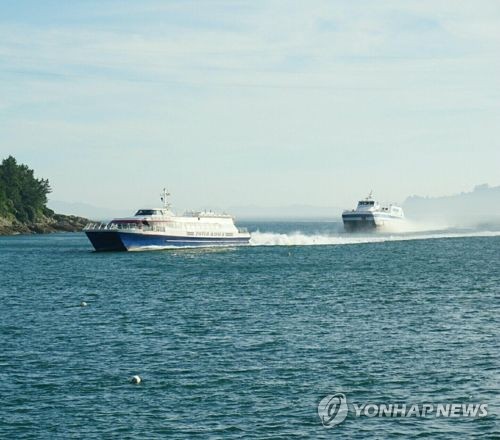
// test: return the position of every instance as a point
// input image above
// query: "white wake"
(301, 239)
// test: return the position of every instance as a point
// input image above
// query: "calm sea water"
(244, 342)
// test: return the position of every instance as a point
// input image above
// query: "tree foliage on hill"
(22, 195)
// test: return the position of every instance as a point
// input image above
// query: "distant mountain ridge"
(482, 204)
(295, 212)
(87, 210)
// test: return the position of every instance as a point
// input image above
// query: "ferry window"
(145, 212)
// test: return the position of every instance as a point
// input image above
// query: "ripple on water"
(244, 342)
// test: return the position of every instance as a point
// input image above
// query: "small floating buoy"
(136, 380)
(83, 304)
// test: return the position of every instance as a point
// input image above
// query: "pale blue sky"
(251, 102)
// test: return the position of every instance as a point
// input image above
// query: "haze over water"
(244, 342)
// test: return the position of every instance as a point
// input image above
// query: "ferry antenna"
(164, 194)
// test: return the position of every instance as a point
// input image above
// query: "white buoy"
(83, 304)
(136, 379)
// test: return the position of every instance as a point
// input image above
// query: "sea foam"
(299, 238)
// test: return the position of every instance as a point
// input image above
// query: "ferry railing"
(94, 226)
(134, 227)
(123, 227)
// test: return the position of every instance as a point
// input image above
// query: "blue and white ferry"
(160, 228)
(370, 214)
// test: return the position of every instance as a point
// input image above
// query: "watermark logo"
(333, 410)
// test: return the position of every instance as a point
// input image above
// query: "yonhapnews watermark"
(333, 409)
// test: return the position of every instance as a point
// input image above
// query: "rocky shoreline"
(46, 225)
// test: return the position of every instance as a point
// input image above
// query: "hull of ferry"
(130, 241)
(368, 221)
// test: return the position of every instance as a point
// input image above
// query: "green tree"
(22, 195)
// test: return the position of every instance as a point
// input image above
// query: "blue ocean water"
(244, 342)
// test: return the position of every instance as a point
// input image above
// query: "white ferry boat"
(159, 228)
(370, 214)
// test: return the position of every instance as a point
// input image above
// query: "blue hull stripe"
(122, 241)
